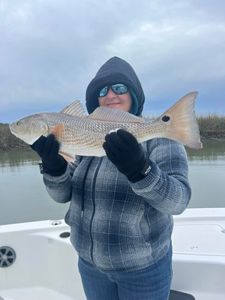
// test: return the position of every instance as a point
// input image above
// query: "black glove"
(48, 149)
(126, 154)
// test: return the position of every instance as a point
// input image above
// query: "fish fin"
(114, 115)
(183, 125)
(66, 156)
(74, 109)
(58, 131)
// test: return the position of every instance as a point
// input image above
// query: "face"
(112, 100)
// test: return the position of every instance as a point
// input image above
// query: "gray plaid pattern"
(118, 225)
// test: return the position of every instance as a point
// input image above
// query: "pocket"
(145, 230)
(75, 237)
(73, 215)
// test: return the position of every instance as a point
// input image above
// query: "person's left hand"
(124, 151)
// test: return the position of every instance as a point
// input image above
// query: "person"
(121, 205)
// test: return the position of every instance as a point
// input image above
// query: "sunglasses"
(118, 89)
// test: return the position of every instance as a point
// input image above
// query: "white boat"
(37, 260)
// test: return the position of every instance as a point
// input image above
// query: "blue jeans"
(151, 283)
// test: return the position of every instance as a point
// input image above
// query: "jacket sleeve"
(166, 187)
(59, 188)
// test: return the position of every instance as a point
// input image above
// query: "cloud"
(50, 50)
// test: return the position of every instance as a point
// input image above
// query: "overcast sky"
(51, 49)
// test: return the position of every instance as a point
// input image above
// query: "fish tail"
(183, 124)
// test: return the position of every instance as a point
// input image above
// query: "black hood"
(115, 70)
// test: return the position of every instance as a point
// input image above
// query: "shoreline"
(26, 148)
(212, 129)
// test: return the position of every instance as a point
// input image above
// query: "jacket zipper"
(93, 212)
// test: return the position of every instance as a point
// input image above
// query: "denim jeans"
(151, 283)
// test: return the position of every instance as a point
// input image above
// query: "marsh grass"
(212, 126)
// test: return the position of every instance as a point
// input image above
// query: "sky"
(51, 49)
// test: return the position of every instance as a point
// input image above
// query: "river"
(23, 196)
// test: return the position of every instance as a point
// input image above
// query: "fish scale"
(84, 135)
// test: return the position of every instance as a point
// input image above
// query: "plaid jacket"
(118, 225)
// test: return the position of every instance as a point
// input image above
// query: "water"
(23, 196)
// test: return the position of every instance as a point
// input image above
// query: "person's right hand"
(48, 150)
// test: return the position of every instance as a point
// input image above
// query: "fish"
(84, 135)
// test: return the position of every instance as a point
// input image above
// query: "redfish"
(81, 134)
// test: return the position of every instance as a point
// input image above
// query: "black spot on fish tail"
(165, 118)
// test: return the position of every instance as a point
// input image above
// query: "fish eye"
(165, 118)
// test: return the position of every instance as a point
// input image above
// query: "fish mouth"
(12, 127)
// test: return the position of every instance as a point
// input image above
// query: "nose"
(110, 94)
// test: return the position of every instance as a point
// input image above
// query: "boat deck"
(45, 264)
(199, 253)
(34, 293)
